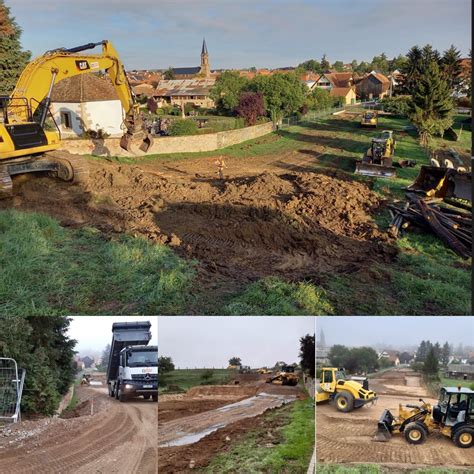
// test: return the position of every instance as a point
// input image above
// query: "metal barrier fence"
(12, 380)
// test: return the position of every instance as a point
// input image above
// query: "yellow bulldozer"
(347, 394)
(453, 417)
(369, 119)
(28, 143)
(285, 376)
(378, 159)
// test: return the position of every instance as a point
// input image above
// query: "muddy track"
(271, 216)
(120, 438)
(348, 438)
(190, 429)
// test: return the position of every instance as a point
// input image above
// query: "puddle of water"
(192, 438)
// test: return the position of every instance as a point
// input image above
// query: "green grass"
(187, 378)
(465, 139)
(49, 270)
(445, 382)
(272, 296)
(73, 402)
(291, 455)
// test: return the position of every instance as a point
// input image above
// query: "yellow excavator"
(347, 394)
(378, 159)
(27, 142)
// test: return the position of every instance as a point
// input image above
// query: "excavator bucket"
(141, 140)
(384, 427)
(442, 182)
(369, 169)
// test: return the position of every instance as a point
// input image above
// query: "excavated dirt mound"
(294, 224)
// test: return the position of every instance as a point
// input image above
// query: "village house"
(373, 86)
(84, 103)
(185, 91)
(460, 371)
(391, 356)
(339, 84)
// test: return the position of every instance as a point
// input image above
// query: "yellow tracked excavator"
(28, 143)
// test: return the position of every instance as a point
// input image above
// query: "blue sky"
(244, 33)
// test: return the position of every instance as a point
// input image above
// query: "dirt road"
(117, 438)
(272, 215)
(348, 437)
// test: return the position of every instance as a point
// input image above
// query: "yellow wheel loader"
(346, 394)
(369, 119)
(285, 376)
(453, 417)
(28, 143)
(378, 159)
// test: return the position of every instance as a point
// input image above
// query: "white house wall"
(106, 115)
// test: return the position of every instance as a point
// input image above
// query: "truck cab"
(132, 370)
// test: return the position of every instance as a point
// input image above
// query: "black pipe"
(78, 49)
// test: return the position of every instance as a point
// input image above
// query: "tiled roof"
(177, 87)
(340, 91)
(84, 88)
(463, 368)
(186, 70)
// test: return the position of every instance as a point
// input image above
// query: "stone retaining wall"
(165, 145)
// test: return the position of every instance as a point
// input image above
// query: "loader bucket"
(442, 182)
(369, 169)
(384, 427)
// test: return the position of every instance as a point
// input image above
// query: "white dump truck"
(133, 364)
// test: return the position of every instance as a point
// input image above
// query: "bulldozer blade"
(368, 169)
(384, 427)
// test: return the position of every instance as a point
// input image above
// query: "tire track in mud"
(119, 439)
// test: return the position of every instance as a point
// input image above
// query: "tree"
(168, 74)
(284, 94)
(325, 64)
(235, 361)
(445, 354)
(430, 366)
(183, 127)
(320, 99)
(307, 351)
(105, 359)
(354, 65)
(41, 346)
(338, 66)
(311, 65)
(12, 58)
(451, 66)
(412, 69)
(227, 89)
(422, 351)
(165, 365)
(380, 63)
(397, 63)
(366, 359)
(432, 104)
(338, 355)
(250, 107)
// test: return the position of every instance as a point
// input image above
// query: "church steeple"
(205, 68)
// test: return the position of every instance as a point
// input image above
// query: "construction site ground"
(289, 207)
(115, 438)
(347, 438)
(206, 421)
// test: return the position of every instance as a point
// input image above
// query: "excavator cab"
(378, 159)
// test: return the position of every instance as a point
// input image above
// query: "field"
(348, 438)
(291, 230)
(187, 378)
(246, 427)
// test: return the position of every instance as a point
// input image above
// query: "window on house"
(66, 120)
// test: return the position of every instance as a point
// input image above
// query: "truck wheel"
(463, 437)
(111, 392)
(415, 433)
(155, 398)
(344, 402)
(121, 395)
(146, 397)
(116, 392)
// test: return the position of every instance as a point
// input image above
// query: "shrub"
(250, 107)
(183, 127)
(397, 105)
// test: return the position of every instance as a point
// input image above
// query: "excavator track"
(58, 164)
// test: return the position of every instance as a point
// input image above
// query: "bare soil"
(348, 437)
(272, 215)
(215, 423)
(117, 438)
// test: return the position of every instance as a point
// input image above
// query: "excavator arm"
(37, 81)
